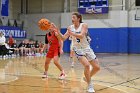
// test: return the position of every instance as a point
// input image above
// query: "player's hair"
(78, 16)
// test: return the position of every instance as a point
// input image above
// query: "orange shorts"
(53, 52)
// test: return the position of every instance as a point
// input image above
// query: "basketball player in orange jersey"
(54, 45)
(78, 30)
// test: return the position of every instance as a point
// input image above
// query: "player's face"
(75, 19)
(51, 28)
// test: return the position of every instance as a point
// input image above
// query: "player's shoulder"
(71, 25)
(84, 24)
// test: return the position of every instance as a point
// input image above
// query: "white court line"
(7, 81)
(111, 87)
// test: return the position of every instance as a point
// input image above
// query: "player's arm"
(60, 41)
(61, 36)
(61, 46)
(80, 35)
(65, 36)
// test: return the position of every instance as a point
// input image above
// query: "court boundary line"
(16, 78)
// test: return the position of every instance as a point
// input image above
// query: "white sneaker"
(90, 88)
(62, 76)
(45, 75)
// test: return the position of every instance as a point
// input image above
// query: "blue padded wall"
(112, 40)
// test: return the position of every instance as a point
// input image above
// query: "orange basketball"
(44, 24)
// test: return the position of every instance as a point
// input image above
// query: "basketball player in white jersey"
(84, 53)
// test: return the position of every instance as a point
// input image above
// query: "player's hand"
(70, 32)
(56, 34)
(53, 26)
(55, 29)
(61, 51)
(69, 29)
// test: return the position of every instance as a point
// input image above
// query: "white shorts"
(88, 53)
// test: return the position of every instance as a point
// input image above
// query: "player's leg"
(49, 57)
(93, 61)
(46, 66)
(94, 70)
(83, 60)
(21, 51)
(56, 62)
(72, 58)
(25, 51)
(95, 67)
(17, 49)
(58, 65)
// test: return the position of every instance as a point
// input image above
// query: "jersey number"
(78, 40)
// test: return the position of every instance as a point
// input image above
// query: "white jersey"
(79, 43)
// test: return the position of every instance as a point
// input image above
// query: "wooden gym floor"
(120, 73)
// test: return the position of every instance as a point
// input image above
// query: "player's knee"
(87, 66)
(47, 63)
(55, 62)
(97, 68)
